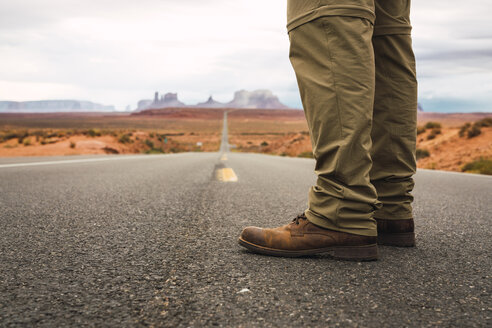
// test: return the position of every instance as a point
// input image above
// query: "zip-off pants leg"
(357, 82)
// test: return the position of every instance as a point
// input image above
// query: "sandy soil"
(285, 133)
(289, 144)
(448, 151)
(85, 145)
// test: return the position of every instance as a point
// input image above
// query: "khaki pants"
(357, 80)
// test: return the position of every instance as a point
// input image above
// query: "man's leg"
(333, 59)
(394, 122)
(334, 63)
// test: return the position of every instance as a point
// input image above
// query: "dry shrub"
(432, 125)
(422, 153)
(482, 166)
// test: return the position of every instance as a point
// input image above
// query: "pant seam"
(338, 112)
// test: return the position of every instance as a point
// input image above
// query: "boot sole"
(351, 253)
(404, 239)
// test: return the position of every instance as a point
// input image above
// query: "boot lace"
(299, 217)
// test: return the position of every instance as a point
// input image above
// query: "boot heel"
(357, 253)
(404, 239)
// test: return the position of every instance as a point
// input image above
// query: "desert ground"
(84, 133)
(439, 143)
(445, 141)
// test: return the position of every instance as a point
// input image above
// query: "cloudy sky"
(117, 52)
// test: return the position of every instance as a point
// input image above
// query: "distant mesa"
(211, 103)
(168, 100)
(264, 99)
(46, 106)
(261, 99)
(144, 103)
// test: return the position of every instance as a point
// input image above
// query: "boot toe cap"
(254, 235)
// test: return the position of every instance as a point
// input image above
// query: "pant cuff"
(388, 215)
(379, 217)
(330, 224)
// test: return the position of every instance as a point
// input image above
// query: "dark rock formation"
(211, 103)
(167, 100)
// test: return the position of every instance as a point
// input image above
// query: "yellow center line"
(223, 157)
(226, 175)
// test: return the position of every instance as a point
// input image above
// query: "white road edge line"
(459, 173)
(85, 160)
(88, 160)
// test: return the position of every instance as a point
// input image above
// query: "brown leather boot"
(396, 232)
(301, 237)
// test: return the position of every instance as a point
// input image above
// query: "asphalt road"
(151, 240)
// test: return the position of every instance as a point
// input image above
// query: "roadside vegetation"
(472, 130)
(113, 141)
(47, 136)
(434, 127)
(481, 166)
(422, 153)
(306, 154)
